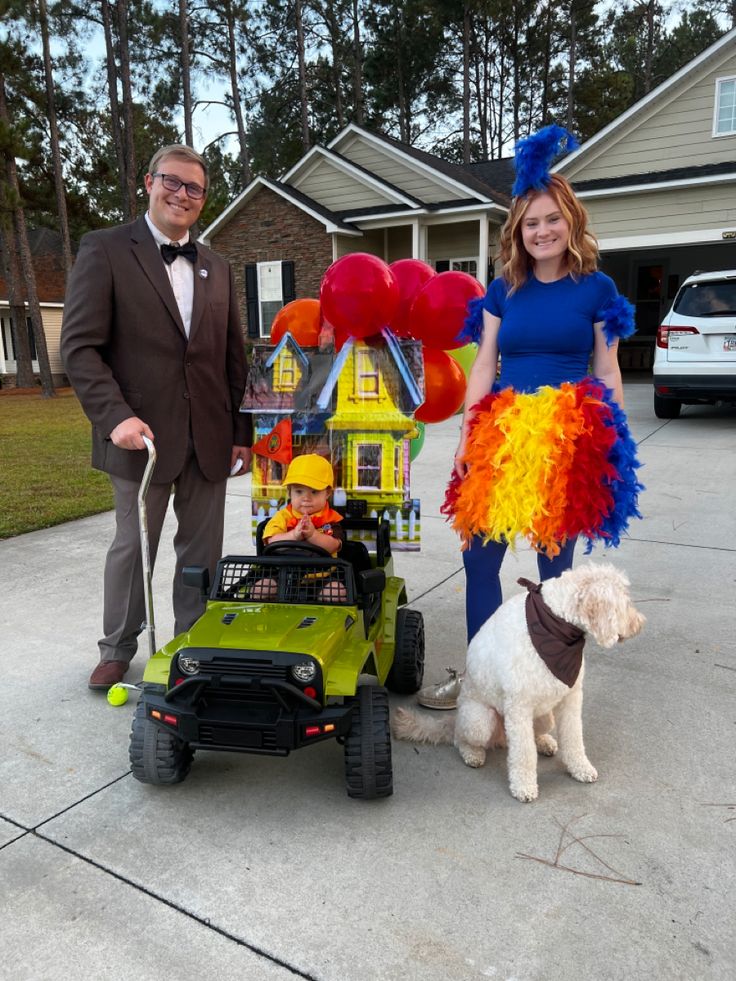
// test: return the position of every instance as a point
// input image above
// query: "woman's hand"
(460, 466)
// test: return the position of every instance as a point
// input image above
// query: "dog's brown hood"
(559, 643)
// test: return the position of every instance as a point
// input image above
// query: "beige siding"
(454, 241)
(686, 209)
(372, 242)
(675, 133)
(399, 243)
(407, 176)
(337, 190)
(52, 328)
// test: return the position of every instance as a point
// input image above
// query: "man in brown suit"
(151, 342)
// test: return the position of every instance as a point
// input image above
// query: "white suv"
(695, 356)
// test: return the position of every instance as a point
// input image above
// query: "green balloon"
(418, 442)
(465, 356)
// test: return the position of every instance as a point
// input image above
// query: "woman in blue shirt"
(550, 318)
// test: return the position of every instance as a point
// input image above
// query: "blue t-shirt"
(546, 332)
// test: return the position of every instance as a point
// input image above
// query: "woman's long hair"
(582, 247)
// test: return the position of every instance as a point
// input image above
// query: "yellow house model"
(355, 406)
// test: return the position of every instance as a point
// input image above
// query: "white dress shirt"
(180, 273)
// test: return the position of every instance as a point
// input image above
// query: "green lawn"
(45, 473)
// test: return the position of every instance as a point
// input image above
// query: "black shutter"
(288, 285)
(251, 299)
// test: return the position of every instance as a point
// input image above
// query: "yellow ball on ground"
(117, 695)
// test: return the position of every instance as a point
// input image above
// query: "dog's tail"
(418, 727)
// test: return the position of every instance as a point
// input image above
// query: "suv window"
(711, 299)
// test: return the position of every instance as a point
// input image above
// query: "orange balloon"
(301, 318)
(444, 386)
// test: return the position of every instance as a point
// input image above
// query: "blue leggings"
(482, 577)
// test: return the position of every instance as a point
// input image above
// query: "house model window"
(369, 465)
(725, 112)
(367, 380)
(288, 375)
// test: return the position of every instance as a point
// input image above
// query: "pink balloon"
(411, 275)
(359, 295)
(439, 311)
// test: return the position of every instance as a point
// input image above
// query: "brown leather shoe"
(107, 674)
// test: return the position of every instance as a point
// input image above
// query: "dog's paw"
(524, 791)
(472, 755)
(585, 772)
(546, 745)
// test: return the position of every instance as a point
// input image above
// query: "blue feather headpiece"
(534, 154)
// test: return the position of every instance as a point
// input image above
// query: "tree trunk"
(129, 128)
(235, 94)
(20, 247)
(66, 244)
(11, 271)
(334, 29)
(302, 74)
(357, 67)
(571, 67)
(466, 84)
(112, 89)
(649, 51)
(186, 72)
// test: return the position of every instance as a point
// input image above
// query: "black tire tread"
(368, 769)
(156, 756)
(407, 671)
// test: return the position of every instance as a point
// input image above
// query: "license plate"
(729, 343)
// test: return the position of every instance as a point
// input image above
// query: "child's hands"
(304, 530)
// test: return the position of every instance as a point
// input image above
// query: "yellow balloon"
(465, 356)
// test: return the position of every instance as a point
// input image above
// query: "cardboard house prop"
(354, 406)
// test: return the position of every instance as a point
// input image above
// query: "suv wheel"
(665, 408)
(368, 769)
(407, 671)
(156, 756)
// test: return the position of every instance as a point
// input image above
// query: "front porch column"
(483, 249)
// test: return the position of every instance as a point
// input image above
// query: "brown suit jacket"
(126, 354)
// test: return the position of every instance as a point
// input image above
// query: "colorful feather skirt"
(548, 466)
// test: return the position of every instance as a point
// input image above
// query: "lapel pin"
(203, 274)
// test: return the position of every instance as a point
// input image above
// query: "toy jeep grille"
(284, 579)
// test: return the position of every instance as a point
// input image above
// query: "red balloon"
(411, 275)
(302, 320)
(444, 387)
(439, 311)
(359, 295)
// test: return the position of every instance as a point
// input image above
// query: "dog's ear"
(600, 608)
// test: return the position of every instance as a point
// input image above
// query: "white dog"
(509, 682)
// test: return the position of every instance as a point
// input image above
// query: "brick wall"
(270, 229)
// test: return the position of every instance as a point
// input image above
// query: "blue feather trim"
(534, 154)
(618, 319)
(472, 329)
(625, 486)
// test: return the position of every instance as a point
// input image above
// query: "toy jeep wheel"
(368, 769)
(407, 671)
(156, 756)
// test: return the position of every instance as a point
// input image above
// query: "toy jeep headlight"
(305, 671)
(188, 665)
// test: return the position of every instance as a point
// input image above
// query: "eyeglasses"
(172, 183)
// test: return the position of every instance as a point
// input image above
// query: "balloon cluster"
(360, 295)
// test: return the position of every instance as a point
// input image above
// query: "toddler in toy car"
(307, 517)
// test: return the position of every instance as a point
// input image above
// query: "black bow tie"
(170, 252)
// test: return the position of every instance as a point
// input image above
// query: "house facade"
(364, 192)
(660, 186)
(48, 264)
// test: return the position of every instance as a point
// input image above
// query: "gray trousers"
(199, 506)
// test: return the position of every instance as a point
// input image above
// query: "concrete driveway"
(259, 868)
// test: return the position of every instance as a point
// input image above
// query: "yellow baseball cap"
(310, 470)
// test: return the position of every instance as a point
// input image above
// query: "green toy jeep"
(280, 660)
